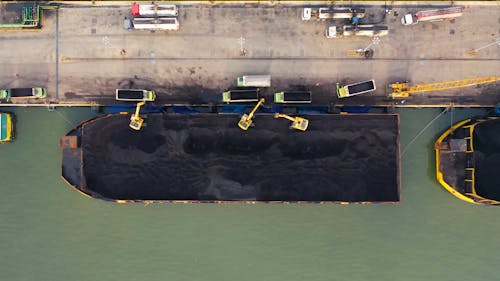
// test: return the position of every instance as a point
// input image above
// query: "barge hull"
(207, 158)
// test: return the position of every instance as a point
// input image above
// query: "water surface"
(51, 232)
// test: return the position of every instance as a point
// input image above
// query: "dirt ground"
(351, 158)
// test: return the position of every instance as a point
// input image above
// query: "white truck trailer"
(261, 81)
(360, 30)
(147, 10)
(325, 13)
(155, 24)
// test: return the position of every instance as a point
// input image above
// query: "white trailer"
(360, 30)
(254, 81)
(155, 23)
(141, 10)
(331, 13)
(339, 13)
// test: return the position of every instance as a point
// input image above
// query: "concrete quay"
(83, 53)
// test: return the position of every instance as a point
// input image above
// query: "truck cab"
(409, 19)
(306, 13)
(331, 32)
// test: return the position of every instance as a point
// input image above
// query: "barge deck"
(207, 158)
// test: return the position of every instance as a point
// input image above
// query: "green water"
(51, 232)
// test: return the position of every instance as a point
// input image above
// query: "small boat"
(6, 127)
(468, 160)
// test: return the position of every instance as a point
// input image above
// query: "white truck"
(331, 13)
(147, 10)
(261, 81)
(360, 30)
(155, 24)
(432, 15)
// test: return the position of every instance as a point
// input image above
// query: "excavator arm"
(246, 120)
(135, 120)
(298, 123)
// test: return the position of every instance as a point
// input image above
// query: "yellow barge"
(468, 160)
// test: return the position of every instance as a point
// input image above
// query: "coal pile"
(206, 157)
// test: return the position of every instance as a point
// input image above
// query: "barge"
(351, 158)
(6, 127)
(468, 160)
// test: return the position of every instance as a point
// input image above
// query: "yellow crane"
(298, 123)
(246, 120)
(403, 90)
(135, 120)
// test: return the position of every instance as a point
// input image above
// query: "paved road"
(196, 63)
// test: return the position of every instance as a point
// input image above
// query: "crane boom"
(403, 90)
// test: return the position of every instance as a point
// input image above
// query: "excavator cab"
(136, 121)
(298, 123)
(246, 120)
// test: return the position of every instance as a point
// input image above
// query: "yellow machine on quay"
(404, 90)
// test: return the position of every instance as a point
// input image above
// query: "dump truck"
(355, 89)
(254, 81)
(7, 94)
(292, 97)
(136, 95)
(241, 95)
(432, 15)
(360, 30)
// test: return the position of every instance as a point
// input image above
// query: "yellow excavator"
(298, 123)
(403, 90)
(135, 120)
(246, 120)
